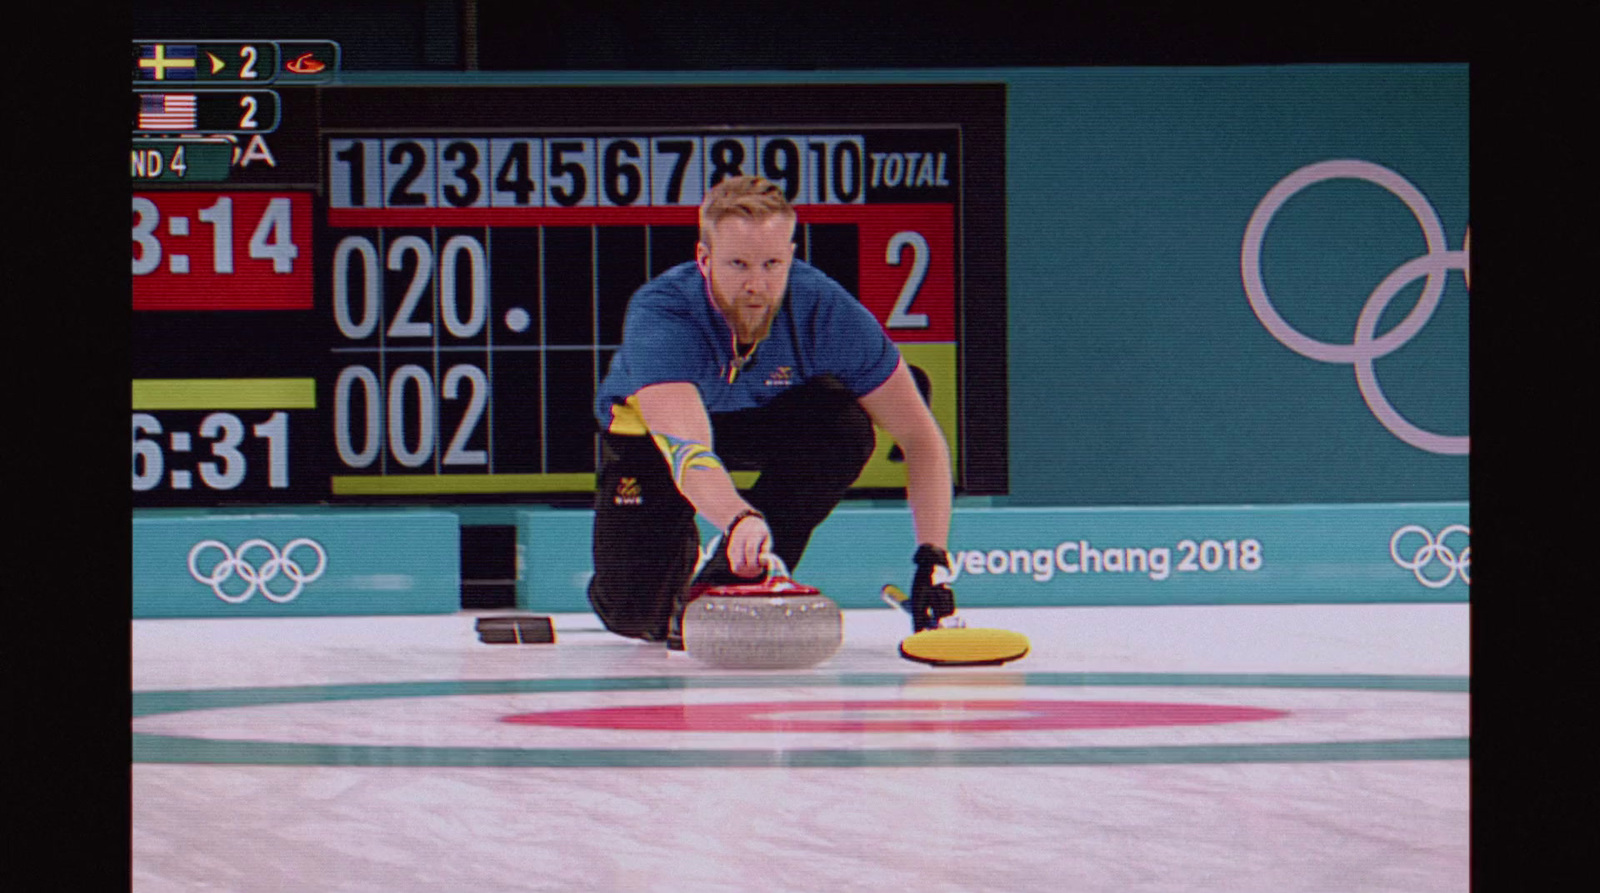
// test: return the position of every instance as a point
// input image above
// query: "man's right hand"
(748, 539)
(678, 422)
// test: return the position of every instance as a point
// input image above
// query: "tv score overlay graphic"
(445, 299)
(189, 114)
(205, 111)
(179, 64)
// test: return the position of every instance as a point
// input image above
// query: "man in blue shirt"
(747, 358)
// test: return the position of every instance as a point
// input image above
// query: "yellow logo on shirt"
(628, 492)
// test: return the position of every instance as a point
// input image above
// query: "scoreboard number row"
(357, 255)
(358, 290)
(558, 172)
(362, 406)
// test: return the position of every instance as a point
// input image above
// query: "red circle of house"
(893, 716)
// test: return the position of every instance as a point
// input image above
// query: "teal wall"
(1138, 373)
(296, 564)
(1157, 555)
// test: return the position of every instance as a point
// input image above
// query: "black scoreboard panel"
(438, 276)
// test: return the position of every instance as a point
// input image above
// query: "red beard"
(749, 324)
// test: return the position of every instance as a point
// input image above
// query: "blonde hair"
(754, 198)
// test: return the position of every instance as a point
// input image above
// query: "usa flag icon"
(167, 112)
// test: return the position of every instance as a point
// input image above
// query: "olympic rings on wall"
(1434, 548)
(1364, 348)
(257, 578)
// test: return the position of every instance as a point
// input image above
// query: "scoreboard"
(411, 292)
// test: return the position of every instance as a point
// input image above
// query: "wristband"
(928, 556)
(747, 513)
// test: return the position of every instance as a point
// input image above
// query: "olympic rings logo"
(1431, 548)
(277, 563)
(1364, 348)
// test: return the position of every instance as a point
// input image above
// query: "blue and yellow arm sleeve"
(683, 455)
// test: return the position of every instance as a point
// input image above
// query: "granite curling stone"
(776, 624)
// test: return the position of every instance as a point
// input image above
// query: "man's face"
(747, 264)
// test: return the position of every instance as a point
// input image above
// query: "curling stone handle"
(777, 571)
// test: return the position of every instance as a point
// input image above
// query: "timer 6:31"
(210, 450)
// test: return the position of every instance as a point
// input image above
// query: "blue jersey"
(674, 333)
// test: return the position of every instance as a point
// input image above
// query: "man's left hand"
(930, 601)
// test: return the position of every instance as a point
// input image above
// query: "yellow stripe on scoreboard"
(938, 360)
(448, 484)
(224, 393)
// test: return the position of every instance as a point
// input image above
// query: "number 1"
(220, 216)
(820, 178)
(276, 431)
(355, 156)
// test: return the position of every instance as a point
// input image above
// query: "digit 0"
(454, 251)
(356, 249)
(426, 404)
(847, 173)
(370, 416)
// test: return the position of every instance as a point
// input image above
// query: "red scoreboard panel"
(222, 251)
(417, 298)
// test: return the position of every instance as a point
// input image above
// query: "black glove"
(930, 601)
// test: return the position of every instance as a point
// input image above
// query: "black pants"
(809, 445)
